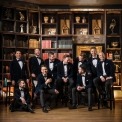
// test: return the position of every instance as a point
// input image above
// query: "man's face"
(37, 52)
(80, 58)
(22, 84)
(93, 52)
(52, 57)
(102, 56)
(18, 54)
(44, 70)
(80, 70)
(66, 60)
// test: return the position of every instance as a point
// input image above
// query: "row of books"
(34, 43)
(47, 44)
(64, 43)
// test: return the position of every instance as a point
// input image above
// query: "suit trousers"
(87, 91)
(46, 96)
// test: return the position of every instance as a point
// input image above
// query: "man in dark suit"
(105, 75)
(21, 98)
(84, 84)
(46, 89)
(80, 60)
(35, 64)
(18, 69)
(51, 64)
(65, 75)
(93, 60)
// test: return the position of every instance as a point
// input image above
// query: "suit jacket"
(17, 95)
(34, 66)
(109, 69)
(16, 72)
(54, 71)
(60, 70)
(88, 80)
(41, 83)
(75, 66)
(93, 69)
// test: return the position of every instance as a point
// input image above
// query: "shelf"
(43, 35)
(113, 35)
(20, 21)
(113, 48)
(116, 61)
(49, 23)
(10, 20)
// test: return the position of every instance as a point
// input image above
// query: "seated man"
(46, 88)
(21, 98)
(65, 75)
(84, 84)
(106, 76)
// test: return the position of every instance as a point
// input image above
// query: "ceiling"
(74, 2)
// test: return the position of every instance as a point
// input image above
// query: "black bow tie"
(65, 64)
(38, 57)
(45, 76)
(19, 60)
(83, 75)
(80, 61)
(51, 62)
(21, 89)
(94, 58)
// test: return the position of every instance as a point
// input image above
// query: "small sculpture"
(21, 16)
(112, 25)
(21, 30)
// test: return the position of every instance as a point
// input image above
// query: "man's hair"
(82, 66)
(83, 54)
(51, 53)
(66, 56)
(93, 48)
(20, 81)
(43, 66)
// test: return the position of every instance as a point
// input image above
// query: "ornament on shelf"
(52, 20)
(77, 19)
(116, 56)
(65, 28)
(21, 28)
(46, 19)
(96, 29)
(112, 26)
(83, 20)
(22, 18)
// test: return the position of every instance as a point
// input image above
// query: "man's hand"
(108, 78)
(56, 91)
(65, 79)
(23, 100)
(102, 78)
(33, 75)
(79, 88)
(48, 80)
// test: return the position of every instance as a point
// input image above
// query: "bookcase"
(59, 31)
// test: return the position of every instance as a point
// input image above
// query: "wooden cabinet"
(59, 31)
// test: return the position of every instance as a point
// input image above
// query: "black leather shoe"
(44, 110)
(31, 110)
(73, 107)
(90, 109)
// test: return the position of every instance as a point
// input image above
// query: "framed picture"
(50, 31)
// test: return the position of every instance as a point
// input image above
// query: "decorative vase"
(46, 19)
(77, 19)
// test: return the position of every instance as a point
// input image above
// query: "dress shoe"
(44, 110)
(90, 109)
(31, 110)
(73, 107)
(48, 108)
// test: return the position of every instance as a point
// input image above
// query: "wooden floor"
(64, 115)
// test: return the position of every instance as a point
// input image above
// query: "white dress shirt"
(103, 68)
(83, 80)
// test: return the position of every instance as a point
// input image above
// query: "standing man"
(65, 75)
(105, 75)
(46, 89)
(51, 64)
(35, 64)
(18, 69)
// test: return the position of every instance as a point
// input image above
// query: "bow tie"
(94, 58)
(51, 62)
(38, 57)
(21, 89)
(80, 61)
(102, 61)
(65, 64)
(83, 75)
(19, 60)
(44, 75)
